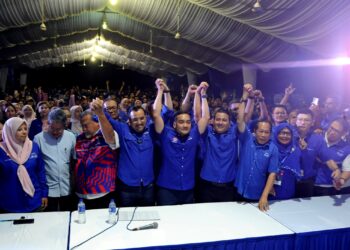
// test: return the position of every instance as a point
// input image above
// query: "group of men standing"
(112, 158)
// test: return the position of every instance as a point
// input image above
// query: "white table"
(312, 214)
(319, 222)
(49, 231)
(184, 224)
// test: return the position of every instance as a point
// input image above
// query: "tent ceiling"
(218, 34)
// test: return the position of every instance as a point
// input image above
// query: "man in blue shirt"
(336, 149)
(311, 145)
(258, 159)
(177, 172)
(135, 164)
(219, 164)
(57, 147)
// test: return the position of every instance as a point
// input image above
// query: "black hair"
(221, 110)
(256, 125)
(57, 115)
(306, 112)
(279, 106)
(180, 113)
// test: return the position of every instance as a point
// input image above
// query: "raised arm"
(167, 97)
(264, 113)
(287, 93)
(197, 110)
(157, 107)
(203, 121)
(105, 126)
(186, 103)
(240, 116)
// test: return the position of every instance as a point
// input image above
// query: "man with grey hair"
(57, 147)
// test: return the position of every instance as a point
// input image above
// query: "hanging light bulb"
(84, 63)
(104, 25)
(178, 35)
(257, 7)
(113, 2)
(93, 59)
(101, 65)
(43, 26)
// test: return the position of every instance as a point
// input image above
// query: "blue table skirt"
(336, 239)
(281, 242)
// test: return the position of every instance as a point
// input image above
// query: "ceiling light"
(113, 2)
(93, 59)
(177, 35)
(104, 25)
(43, 26)
(257, 6)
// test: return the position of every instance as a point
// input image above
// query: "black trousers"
(215, 192)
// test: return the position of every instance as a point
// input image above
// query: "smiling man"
(258, 163)
(220, 159)
(177, 172)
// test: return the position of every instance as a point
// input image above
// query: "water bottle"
(112, 209)
(81, 212)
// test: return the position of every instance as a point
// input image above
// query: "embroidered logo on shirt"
(340, 153)
(174, 140)
(266, 154)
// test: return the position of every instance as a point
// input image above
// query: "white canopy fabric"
(217, 34)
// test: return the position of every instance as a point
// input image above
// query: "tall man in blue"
(258, 163)
(135, 166)
(220, 159)
(312, 146)
(177, 172)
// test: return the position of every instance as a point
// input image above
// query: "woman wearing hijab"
(289, 162)
(75, 119)
(22, 172)
(40, 123)
(28, 114)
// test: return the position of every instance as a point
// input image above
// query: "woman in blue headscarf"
(289, 162)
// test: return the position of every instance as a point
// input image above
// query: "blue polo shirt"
(220, 159)
(336, 152)
(256, 163)
(135, 165)
(315, 144)
(178, 159)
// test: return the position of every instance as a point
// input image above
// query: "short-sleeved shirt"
(337, 153)
(315, 145)
(220, 159)
(135, 166)
(255, 164)
(177, 171)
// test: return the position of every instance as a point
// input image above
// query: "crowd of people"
(146, 148)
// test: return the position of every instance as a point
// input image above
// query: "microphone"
(153, 225)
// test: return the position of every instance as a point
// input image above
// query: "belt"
(219, 184)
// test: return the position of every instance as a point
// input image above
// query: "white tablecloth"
(182, 224)
(49, 231)
(313, 214)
